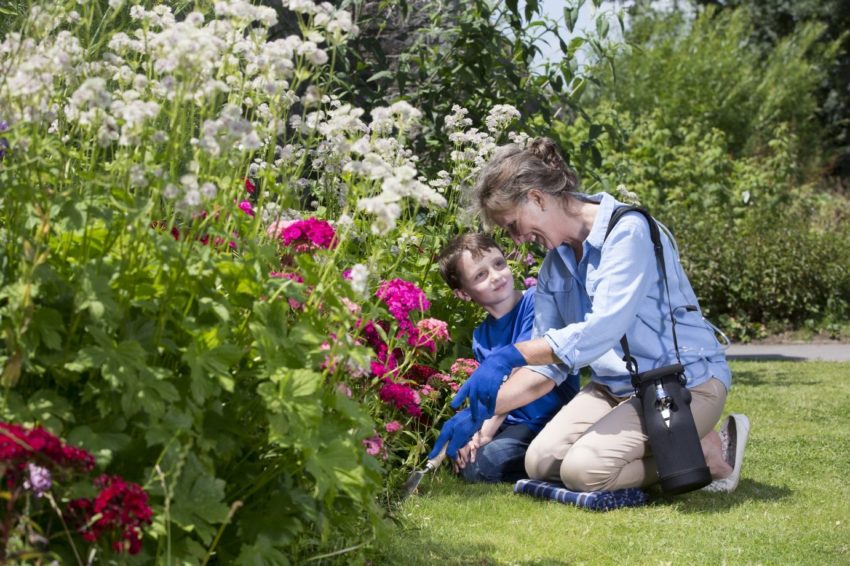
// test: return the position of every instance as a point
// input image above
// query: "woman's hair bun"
(547, 151)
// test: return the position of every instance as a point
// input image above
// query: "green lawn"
(791, 506)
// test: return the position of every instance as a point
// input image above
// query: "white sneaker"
(733, 440)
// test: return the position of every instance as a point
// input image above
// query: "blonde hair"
(513, 171)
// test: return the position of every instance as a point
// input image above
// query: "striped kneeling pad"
(594, 500)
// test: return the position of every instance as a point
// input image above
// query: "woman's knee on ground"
(583, 470)
(540, 463)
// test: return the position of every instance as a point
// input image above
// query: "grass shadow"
(785, 377)
(749, 490)
(426, 551)
(764, 358)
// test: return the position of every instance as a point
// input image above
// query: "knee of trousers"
(582, 470)
(537, 462)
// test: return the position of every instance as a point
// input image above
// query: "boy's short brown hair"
(449, 257)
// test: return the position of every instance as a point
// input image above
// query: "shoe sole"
(737, 428)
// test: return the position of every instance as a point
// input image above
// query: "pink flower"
(464, 367)
(246, 207)
(436, 328)
(428, 391)
(374, 445)
(393, 426)
(344, 389)
(276, 228)
(286, 275)
(352, 307)
(530, 281)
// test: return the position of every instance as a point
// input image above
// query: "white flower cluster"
(360, 279)
(473, 147)
(191, 194)
(228, 132)
(245, 12)
(500, 117)
(337, 23)
(235, 90)
(31, 69)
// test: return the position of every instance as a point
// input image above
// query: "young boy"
(475, 268)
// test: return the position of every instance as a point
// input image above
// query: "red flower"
(18, 444)
(122, 510)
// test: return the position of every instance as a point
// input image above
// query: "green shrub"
(709, 71)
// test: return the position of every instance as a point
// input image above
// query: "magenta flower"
(246, 207)
(530, 281)
(401, 298)
(307, 235)
(393, 427)
(402, 397)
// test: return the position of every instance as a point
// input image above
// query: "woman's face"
(533, 221)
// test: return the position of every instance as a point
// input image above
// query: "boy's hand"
(482, 387)
(456, 432)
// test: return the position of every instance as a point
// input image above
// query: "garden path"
(795, 352)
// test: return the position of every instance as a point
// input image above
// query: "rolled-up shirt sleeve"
(547, 316)
(626, 271)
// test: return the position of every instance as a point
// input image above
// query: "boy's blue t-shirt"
(512, 328)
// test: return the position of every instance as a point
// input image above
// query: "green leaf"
(261, 553)
(210, 361)
(102, 444)
(45, 405)
(199, 500)
(296, 383)
(385, 74)
(602, 25)
(48, 323)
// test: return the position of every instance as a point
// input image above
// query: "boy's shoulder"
(519, 310)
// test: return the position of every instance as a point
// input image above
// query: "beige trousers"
(596, 442)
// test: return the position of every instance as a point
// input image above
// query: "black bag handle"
(655, 236)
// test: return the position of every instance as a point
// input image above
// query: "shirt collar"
(607, 204)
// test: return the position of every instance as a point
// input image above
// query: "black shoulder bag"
(666, 402)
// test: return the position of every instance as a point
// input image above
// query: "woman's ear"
(461, 295)
(536, 196)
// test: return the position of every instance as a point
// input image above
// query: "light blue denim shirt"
(582, 310)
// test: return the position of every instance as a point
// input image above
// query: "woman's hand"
(455, 434)
(482, 387)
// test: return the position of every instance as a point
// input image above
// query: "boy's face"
(487, 279)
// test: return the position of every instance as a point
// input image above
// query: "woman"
(592, 290)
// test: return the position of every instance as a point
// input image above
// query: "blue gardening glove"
(457, 431)
(482, 387)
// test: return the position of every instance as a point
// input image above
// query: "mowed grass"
(791, 507)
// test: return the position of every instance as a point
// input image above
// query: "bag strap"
(655, 236)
